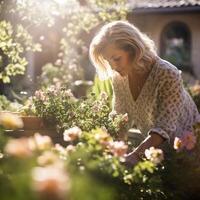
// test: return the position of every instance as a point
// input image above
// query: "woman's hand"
(132, 159)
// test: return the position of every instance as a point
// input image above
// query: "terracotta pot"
(33, 123)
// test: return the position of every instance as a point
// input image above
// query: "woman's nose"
(114, 66)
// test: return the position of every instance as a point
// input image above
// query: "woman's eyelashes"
(117, 59)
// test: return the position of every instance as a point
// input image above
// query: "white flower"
(154, 155)
(178, 143)
(72, 134)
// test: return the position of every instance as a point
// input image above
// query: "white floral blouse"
(163, 105)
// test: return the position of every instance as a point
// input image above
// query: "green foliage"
(93, 159)
(90, 163)
(59, 76)
(185, 183)
(13, 45)
(59, 106)
(102, 86)
(7, 105)
(74, 20)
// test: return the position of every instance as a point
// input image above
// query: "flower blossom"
(189, 140)
(195, 89)
(154, 155)
(47, 158)
(64, 151)
(118, 148)
(50, 182)
(178, 144)
(39, 94)
(112, 114)
(18, 147)
(70, 148)
(68, 93)
(10, 121)
(40, 142)
(96, 107)
(103, 137)
(103, 96)
(72, 134)
(125, 118)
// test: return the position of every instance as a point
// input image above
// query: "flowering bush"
(39, 170)
(58, 106)
(181, 175)
(34, 168)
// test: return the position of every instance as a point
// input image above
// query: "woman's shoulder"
(166, 70)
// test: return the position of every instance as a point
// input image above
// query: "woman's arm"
(152, 140)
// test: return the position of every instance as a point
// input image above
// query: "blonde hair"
(127, 37)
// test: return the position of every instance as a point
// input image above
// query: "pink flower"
(18, 147)
(72, 134)
(40, 142)
(50, 182)
(47, 158)
(189, 140)
(103, 137)
(118, 148)
(39, 94)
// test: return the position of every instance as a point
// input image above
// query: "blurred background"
(46, 42)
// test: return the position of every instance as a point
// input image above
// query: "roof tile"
(163, 3)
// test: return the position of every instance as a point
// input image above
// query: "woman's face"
(119, 59)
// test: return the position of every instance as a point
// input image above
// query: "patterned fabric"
(163, 105)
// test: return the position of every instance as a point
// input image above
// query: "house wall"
(153, 25)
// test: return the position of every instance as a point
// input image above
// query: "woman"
(146, 87)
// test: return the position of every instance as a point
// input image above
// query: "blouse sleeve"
(170, 102)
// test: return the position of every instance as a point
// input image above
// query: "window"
(175, 45)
